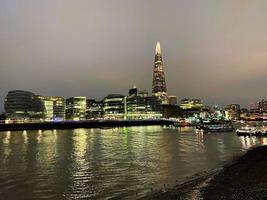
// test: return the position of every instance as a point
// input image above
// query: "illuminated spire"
(158, 50)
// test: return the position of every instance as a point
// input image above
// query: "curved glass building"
(22, 105)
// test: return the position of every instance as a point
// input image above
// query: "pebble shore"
(244, 179)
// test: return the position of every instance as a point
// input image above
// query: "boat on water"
(235, 121)
(246, 131)
(252, 131)
(215, 126)
(183, 122)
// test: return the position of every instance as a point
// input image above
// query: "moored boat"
(246, 131)
(252, 131)
(218, 126)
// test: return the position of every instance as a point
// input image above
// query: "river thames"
(109, 163)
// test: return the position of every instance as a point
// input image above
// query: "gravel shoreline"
(244, 179)
(186, 191)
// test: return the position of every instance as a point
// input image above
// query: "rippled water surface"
(106, 163)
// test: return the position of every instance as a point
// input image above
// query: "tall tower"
(159, 84)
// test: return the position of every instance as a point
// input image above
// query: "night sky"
(212, 49)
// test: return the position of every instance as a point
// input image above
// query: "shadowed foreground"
(244, 179)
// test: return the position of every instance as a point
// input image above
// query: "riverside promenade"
(82, 124)
(243, 179)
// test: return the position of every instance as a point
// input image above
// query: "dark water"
(105, 163)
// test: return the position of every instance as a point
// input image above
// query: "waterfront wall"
(81, 124)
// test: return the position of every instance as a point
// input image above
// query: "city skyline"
(212, 50)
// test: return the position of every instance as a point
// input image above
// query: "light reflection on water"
(103, 163)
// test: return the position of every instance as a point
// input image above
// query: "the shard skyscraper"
(159, 85)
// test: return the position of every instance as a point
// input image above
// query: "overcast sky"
(215, 50)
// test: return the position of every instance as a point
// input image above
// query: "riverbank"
(82, 124)
(191, 189)
(244, 179)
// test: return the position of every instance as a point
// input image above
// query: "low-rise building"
(76, 108)
(53, 107)
(22, 105)
(114, 106)
(172, 100)
(141, 106)
(262, 106)
(232, 111)
(153, 107)
(191, 104)
(94, 109)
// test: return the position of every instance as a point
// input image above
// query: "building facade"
(141, 106)
(135, 105)
(191, 104)
(232, 111)
(153, 107)
(76, 108)
(95, 109)
(22, 105)
(159, 84)
(114, 106)
(172, 100)
(59, 106)
(53, 108)
(262, 106)
(48, 111)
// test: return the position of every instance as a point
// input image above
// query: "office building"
(114, 106)
(136, 105)
(48, 111)
(94, 109)
(22, 105)
(172, 100)
(191, 104)
(262, 106)
(53, 108)
(153, 107)
(232, 111)
(59, 107)
(76, 108)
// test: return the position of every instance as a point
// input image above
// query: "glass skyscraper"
(159, 85)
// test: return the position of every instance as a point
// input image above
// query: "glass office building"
(114, 106)
(94, 109)
(53, 108)
(76, 108)
(22, 105)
